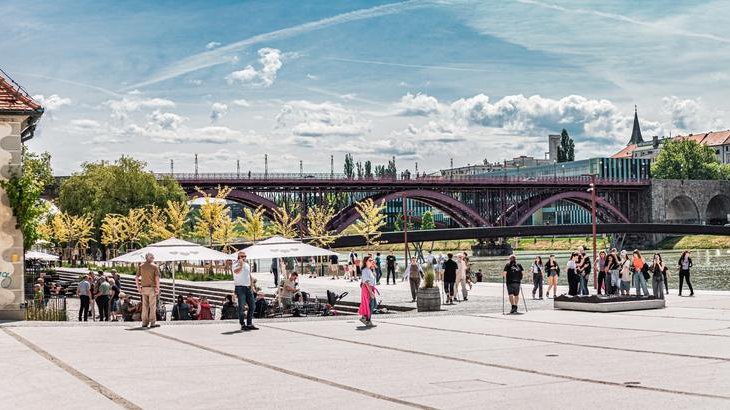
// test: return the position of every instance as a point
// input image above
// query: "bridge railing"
(293, 177)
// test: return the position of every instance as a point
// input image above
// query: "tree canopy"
(566, 149)
(688, 159)
(102, 188)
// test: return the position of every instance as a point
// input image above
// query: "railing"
(51, 309)
(428, 179)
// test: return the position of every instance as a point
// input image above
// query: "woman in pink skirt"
(367, 292)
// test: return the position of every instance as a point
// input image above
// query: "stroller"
(332, 299)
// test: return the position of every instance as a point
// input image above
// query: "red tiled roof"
(625, 152)
(711, 138)
(14, 98)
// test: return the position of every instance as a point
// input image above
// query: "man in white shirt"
(243, 282)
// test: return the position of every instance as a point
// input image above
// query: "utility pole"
(405, 231)
(592, 189)
(266, 165)
(196, 165)
(238, 168)
(172, 168)
(301, 168)
(332, 166)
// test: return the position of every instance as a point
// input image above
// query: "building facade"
(18, 117)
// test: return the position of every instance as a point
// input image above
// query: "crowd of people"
(616, 274)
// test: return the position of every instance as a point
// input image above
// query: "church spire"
(636, 132)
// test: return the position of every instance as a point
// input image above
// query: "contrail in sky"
(435, 67)
(222, 54)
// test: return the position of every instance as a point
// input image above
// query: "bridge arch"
(246, 198)
(461, 213)
(605, 211)
(718, 208)
(683, 209)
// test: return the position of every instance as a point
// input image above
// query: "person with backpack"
(513, 281)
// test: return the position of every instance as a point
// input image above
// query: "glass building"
(610, 168)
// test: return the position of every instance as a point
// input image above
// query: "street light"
(592, 190)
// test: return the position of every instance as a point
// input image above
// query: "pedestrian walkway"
(677, 357)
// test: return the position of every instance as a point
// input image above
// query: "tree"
(688, 159)
(427, 221)
(102, 188)
(368, 169)
(134, 228)
(349, 167)
(285, 223)
(24, 189)
(157, 224)
(211, 212)
(398, 223)
(379, 171)
(177, 213)
(566, 149)
(391, 171)
(371, 220)
(225, 233)
(72, 232)
(112, 233)
(359, 168)
(252, 224)
(317, 219)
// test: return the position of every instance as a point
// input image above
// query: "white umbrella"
(279, 247)
(174, 250)
(41, 256)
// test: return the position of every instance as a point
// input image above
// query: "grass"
(695, 242)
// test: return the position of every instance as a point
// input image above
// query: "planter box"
(428, 299)
(606, 305)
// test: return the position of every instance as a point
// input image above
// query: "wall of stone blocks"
(11, 239)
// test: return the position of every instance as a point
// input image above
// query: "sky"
(424, 81)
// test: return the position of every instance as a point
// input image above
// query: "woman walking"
(537, 278)
(639, 280)
(658, 271)
(685, 263)
(553, 272)
(367, 292)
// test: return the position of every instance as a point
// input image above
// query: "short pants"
(513, 289)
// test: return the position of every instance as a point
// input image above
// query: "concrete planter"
(429, 299)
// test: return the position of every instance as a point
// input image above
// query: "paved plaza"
(678, 357)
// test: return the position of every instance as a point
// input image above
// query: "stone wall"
(692, 194)
(11, 239)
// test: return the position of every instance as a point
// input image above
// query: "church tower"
(636, 132)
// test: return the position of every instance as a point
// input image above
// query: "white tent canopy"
(173, 250)
(279, 247)
(41, 256)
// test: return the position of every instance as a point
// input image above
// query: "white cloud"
(312, 77)
(689, 115)
(166, 120)
(417, 105)
(51, 103)
(270, 60)
(212, 45)
(241, 103)
(123, 107)
(217, 111)
(309, 119)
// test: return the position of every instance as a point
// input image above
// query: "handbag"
(645, 272)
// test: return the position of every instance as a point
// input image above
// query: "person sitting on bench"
(288, 291)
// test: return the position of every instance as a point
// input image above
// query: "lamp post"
(405, 229)
(592, 190)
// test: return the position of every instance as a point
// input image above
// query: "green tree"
(371, 220)
(24, 189)
(391, 169)
(688, 159)
(427, 221)
(358, 167)
(398, 223)
(566, 149)
(102, 188)
(252, 224)
(368, 169)
(349, 166)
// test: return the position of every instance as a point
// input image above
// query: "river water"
(711, 270)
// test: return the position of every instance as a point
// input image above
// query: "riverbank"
(695, 242)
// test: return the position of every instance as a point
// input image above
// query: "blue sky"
(425, 81)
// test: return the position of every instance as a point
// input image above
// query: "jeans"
(537, 283)
(573, 284)
(415, 283)
(640, 284)
(582, 285)
(391, 269)
(657, 286)
(449, 288)
(149, 306)
(684, 274)
(244, 295)
(615, 281)
(378, 274)
(602, 282)
(85, 302)
(103, 303)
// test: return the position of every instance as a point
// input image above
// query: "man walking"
(414, 277)
(83, 291)
(378, 270)
(513, 279)
(450, 268)
(243, 282)
(390, 264)
(148, 286)
(334, 266)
